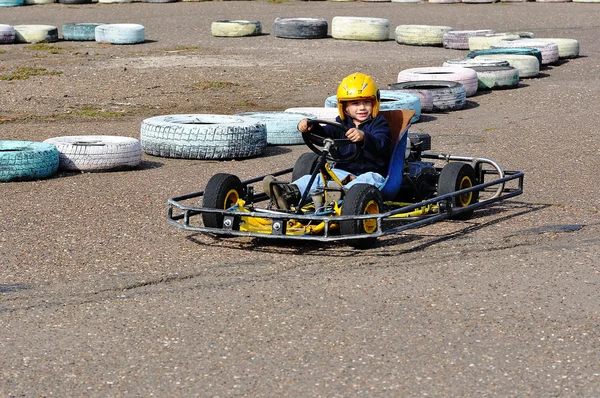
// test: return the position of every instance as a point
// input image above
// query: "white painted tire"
(465, 76)
(321, 113)
(359, 28)
(7, 34)
(469, 62)
(235, 28)
(282, 127)
(527, 65)
(496, 77)
(567, 48)
(203, 136)
(96, 152)
(36, 34)
(121, 33)
(421, 35)
(549, 50)
(484, 42)
(459, 39)
(446, 95)
(390, 100)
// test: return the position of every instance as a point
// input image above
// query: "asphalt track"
(100, 297)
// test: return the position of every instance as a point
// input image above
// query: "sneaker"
(283, 194)
(266, 184)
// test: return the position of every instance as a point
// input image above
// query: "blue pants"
(372, 178)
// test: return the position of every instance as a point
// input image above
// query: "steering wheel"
(316, 143)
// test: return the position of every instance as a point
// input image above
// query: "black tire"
(361, 199)
(421, 139)
(300, 28)
(222, 191)
(454, 177)
(305, 165)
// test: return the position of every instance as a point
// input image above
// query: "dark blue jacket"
(375, 147)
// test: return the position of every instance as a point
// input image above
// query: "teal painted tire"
(496, 77)
(282, 127)
(80, 31)
(520, 51)
(11, 3)
(390, 100)
(26, 160)
(203, 136)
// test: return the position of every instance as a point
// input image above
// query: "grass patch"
(90, 111)
(214, 85)
(2, 51)
(27, 72)
(45, 47)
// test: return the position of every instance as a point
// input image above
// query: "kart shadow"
(390, 243)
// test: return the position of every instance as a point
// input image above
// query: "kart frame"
(503, 185)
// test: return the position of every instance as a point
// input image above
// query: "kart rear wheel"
(454, 177)
(361, 199)
(222, 191)
(305, 165)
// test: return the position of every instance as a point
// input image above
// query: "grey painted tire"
(203, 136)
(447, 95)
(26, 160)
(235, 28)
(470, 62)
(496, 77)
(527, 65)
(80, 31)
(465, 76)
(459, 39)
(300, 28)
(282, 127)
(96, 152)
(36, 34)
(390, 100)
(121, 33)
(7, 34)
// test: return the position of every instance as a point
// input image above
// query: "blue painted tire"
(7, 34)
(282, 127)
(516, 50)
(203, 136)
(26, 160)
(80, 31)
(120, 33)
(11, 3)
(390, 100)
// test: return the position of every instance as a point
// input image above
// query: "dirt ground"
(99, 296)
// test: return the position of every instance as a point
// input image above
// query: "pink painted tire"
(549, 50)
(465, 76)
(459, 39)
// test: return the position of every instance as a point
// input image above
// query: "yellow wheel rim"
(466, 198)
(370, 226)
(230, 199)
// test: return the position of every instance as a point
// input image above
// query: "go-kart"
(421, 187)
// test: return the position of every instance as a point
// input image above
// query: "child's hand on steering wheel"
(355, 135)
(303, 126)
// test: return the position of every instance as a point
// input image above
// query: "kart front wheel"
(222, 191)
(454, 177)
(361, 199)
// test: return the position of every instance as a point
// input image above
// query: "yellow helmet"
(357, 86)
